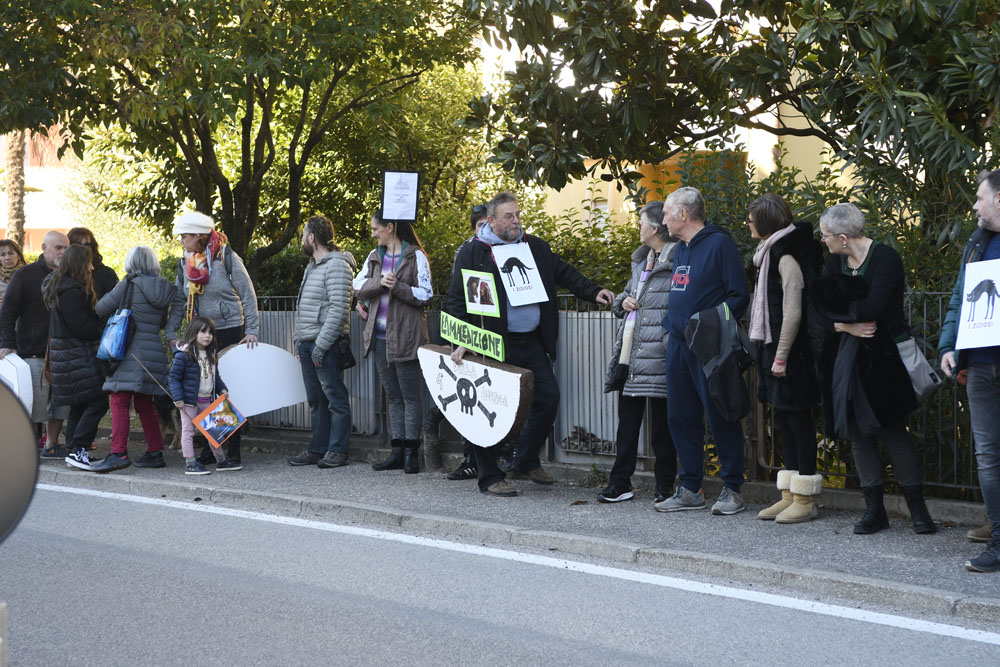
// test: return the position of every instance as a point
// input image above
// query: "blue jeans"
(688, 401)
(329, 407)
(984, 407)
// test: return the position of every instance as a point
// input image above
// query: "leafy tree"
(906, 91)
(178, 76)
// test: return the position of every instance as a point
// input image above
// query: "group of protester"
(823, 332)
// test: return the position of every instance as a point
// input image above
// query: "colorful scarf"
(198, 269)
(760, 325)
(6, 274)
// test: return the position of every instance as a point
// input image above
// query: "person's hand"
(362, 311)
(457, 354)
(779, 368)
(178, 404)
(4, 351)
(317, 358)
(388, 279)
(859, 329)
(630, 304)
(172, 344)
(605, 297)
(250, 340)
(947, 363)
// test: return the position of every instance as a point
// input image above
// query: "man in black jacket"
(529, 331)
(24, 329)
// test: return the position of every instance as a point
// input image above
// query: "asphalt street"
(94, 580)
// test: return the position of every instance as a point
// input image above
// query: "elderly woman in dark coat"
(636, 368)
(857, 319)
(142, 374)
(788, 258)
(74, 332)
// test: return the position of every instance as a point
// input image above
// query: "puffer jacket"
(975, 247)
(649, 339)
(323, 310)
(406, 322)
(185, 377)
(74, 332)
(151, 298)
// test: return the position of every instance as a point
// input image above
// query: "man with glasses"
(529, 331)
(24, 329)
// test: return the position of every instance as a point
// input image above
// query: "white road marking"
(836, 611)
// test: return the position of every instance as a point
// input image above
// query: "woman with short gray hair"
(142, 374)
(857, 320)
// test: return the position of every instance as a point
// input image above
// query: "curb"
(808, 583)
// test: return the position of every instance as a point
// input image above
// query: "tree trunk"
(15, 186)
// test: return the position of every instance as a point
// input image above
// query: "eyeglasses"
(823, 237)
(510, 217)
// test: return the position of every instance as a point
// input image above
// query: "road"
(100, 579)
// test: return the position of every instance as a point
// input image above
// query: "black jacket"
(104, 278)
(799, 389)
(24, 320)
(75, 330)
(477, 256)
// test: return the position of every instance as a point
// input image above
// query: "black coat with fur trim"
(877, 296)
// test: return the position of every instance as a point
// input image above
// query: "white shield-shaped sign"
(16, 374)
(262, 378)
(485, 400)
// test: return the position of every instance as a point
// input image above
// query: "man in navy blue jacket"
(708, 271)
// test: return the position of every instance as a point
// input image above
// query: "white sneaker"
(80, 459)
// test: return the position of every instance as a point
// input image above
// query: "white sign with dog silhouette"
(978, 325)
(519, 274)
(485, 400)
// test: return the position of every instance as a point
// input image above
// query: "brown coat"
(406, 322)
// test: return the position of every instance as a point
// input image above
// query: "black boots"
(411, 462)
(875, 518)
(923, 524)
(395, 460)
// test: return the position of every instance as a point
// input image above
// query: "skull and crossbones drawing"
(466, 393)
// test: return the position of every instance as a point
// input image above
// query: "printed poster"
(219, 421)
(480, 293)
(518, 272)
(399, 195)
(978, 325)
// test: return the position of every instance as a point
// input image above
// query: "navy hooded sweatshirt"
(707, 271)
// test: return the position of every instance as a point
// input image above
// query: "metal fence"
(584, 431)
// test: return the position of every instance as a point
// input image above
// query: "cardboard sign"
(219, 421)
(486, 401)
(480, 293)
(400, 190)
(522, 282)
(479, 340)
(16, 374)
(262, 378)
(978, 325)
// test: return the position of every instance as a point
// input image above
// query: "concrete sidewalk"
(894, 570)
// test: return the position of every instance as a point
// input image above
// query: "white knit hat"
(193, 223)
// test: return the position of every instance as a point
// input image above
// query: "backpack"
(725, 352)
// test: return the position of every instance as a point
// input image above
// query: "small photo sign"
(480, 293)
(219, 421)
(400, 190)
(978, 325)
(521, 280)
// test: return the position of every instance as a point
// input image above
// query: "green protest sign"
(479, 340)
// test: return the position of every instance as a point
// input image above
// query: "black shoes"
(467, 470)
(228, 465)
(875, 518)
(923, 524)
(150, 460)
(612, 494)
(113, 462)
(395, 460)
(411, 461)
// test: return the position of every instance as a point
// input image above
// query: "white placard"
(519, 274)
(399, 195)
(479, 401)
(262, 378)
(978, 325)
(16, 374)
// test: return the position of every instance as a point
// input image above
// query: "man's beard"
(307, 250)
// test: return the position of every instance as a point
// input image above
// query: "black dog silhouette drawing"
(987, 287)
(514, 263)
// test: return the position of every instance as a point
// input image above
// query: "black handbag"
(345, 356)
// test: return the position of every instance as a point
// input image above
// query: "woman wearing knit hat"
(213, 282)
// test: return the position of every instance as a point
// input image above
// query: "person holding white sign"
(393, 288)
(857, 319)
(981, 367)
(530, 329)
